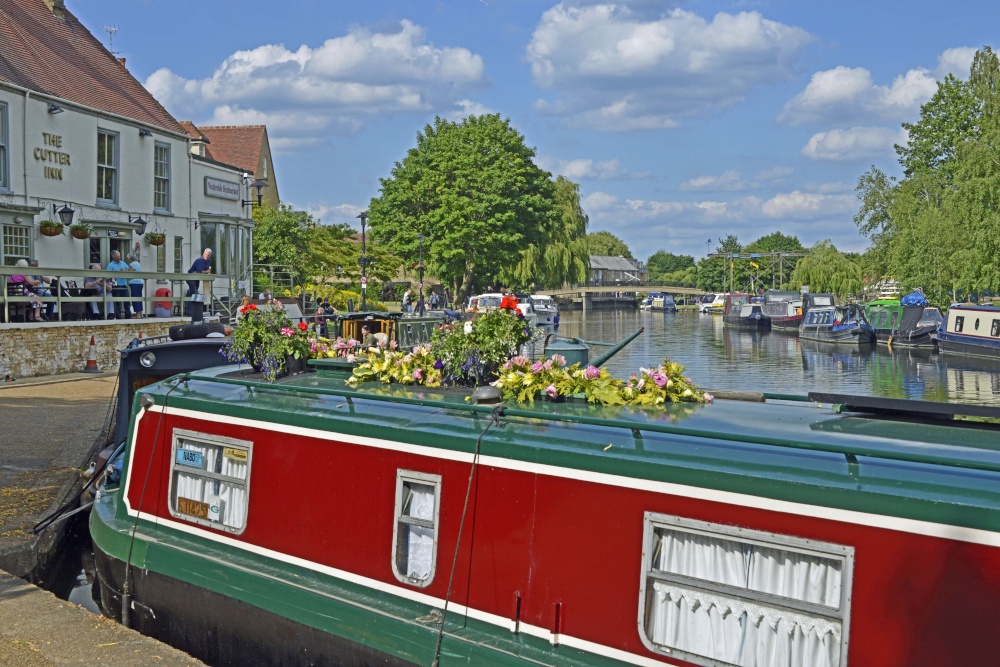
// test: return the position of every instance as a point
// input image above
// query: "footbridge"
(601, 296)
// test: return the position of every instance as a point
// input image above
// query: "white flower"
(467, 328)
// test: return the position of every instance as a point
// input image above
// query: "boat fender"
(190, 331)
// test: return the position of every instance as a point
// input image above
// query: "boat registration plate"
(235, 454)
(188, 457)
(192, 508)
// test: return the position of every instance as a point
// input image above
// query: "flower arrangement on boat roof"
(523, 380)
(264, 337)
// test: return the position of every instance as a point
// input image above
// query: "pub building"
(82, 141)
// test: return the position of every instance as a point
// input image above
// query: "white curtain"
(739, 632)
(420, 540)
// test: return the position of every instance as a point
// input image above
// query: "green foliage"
(473, 190)
(264, 337)
(826, 269)
(563, 256)
(661, 263)
(939, 227)
(606, 243)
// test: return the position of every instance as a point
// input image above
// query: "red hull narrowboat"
(310, 522)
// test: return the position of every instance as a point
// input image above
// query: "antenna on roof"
(112, 29)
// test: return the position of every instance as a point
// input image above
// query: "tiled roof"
(56, 55)
(608, 263)
(238, 145)
(192, 130)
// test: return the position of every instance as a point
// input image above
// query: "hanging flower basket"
(81, 230)
(156, 238)
(51, 229)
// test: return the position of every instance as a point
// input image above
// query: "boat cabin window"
(414, 540)
(995, 328)
(716, 594)
(210, 480)
(959, 323)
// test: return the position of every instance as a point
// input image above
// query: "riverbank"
(50, 427)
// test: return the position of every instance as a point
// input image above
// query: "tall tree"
(606, 243)
(662, 262)
(715, 274)
(562, 257)
(473, 190)
(826, 269)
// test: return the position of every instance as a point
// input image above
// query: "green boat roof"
(796, 450)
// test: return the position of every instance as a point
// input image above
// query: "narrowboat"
(705, 302)
(884, 315)
(824, 321)
(972, 330)
(314, 522)
(918, 325)
(784, 309)
(741, 313)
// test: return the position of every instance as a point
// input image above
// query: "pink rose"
(418, 375)
(551, 391)
(592, 372)
(536, 367)
(660, 379)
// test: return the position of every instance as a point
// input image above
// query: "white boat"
(546, 309)
(492, 301)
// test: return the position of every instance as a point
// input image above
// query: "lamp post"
(420, 285)
(363, 261)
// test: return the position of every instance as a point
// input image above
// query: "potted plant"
(81, 230)
(155, 238)
(267, 340)
(50, 228)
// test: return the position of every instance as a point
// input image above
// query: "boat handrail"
(850, 452)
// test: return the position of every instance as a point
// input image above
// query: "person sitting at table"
(42, 289)
(94, 286)
(368, 339)
(28, 284)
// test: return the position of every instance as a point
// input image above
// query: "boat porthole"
(976, 325)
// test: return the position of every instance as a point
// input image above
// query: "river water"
(718, 357)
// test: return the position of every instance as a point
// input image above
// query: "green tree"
(774, 270)
(473, 190)
(606, 243)
(662, 263)
(826, 269)
(714, 272)
(562, 257)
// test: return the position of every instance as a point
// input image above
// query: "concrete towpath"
(48, 429)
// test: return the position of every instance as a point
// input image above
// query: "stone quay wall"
(55, 348)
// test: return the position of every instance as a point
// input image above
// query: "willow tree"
(826, 269)
(473, 191)
(563, 255)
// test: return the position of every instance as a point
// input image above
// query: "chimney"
(57, 7)
(121, 61)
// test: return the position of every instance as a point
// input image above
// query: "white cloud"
(846, 95)
(328, 89)
(799, 205)
(612, 69)
(466, 108)
(774, 174)
(586, 169)
(852, 144)
(729, 181)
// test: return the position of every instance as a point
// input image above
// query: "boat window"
(895, 318)
(959, 323)
(716, 594)
(414, 540)
(995, 328)
(210, 480)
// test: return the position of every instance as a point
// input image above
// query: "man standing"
(201, 265)
(119, 286)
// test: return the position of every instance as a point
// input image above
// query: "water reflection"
(719, 357)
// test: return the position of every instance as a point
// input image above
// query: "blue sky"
(682, 122)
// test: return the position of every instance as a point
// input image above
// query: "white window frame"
(159, 179)
(8, 232)
(241, 505)
(788, 543)
(4, 149)
(112, 166)
(399, 519)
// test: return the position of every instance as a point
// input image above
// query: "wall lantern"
(55, 108)
(259, 186)
(145, 133)
(65, 214)
(138, 222)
